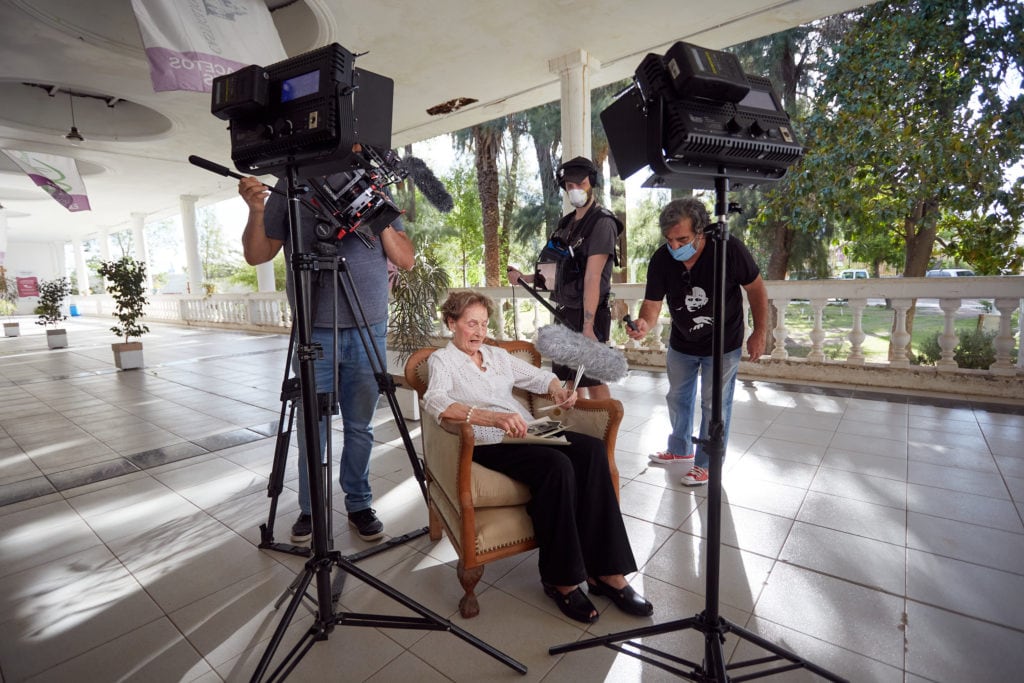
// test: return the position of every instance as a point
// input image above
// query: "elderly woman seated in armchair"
(575, 512)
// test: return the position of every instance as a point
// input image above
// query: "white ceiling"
(134, 158)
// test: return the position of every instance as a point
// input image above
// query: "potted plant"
(416, 295)
(9, 303)
(126, 282)
(50, 309)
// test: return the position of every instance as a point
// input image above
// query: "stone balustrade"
(952, 296)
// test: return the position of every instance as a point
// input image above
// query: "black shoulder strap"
(588, 222)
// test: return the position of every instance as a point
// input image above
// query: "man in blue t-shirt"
(265, 233)
(681, 272)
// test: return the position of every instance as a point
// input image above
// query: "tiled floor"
(879, 537)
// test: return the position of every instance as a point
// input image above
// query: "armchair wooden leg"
(433, 523)
(468, 606)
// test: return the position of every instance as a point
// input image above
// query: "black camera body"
(305, 112)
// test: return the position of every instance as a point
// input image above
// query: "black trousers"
(576, 516)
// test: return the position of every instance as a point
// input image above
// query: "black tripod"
(324, 558)
(709, 622)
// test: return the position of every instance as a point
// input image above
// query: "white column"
(817, 354)
(780, 332)
(265, 277)
(948, 338)
(83, 272)
(104, 242)
(857, 335)
(188, 227)
(900, 336)
(3, 237)
(574, 70)
(139, 235)
(1020, 338)
(103, 239)
(1004, 340)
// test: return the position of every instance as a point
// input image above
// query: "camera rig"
(306, 112)
(318, 114)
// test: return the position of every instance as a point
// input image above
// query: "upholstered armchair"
(483, 511)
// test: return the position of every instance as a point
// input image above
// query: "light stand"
(324, 559)
(713, 626)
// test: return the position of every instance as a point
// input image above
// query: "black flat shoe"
(575, 605)
(626, 599)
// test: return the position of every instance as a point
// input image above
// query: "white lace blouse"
(455, 378)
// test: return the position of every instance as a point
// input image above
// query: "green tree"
(246, 276)
(457, 236)
(220, 259)
(126, 279)
(545, 127)
(791, 60)
(911, 124)
(485, 141)
(600, 99)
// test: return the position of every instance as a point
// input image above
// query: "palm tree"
(485, 140)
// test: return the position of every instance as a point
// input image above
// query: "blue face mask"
(683, 253)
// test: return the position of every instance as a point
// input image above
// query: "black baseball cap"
(575, 170)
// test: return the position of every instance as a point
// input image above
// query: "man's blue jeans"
(358, 394)
(683, 371)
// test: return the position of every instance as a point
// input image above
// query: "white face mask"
(578, 198)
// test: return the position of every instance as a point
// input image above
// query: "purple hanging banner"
(58, 176)
(191, 42)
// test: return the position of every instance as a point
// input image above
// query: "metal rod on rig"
(542, 300)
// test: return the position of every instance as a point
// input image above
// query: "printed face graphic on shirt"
(696, 299)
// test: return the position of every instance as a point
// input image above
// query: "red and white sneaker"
(697, 476)
(668, 458)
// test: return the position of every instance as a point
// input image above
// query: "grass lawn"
(837, 321)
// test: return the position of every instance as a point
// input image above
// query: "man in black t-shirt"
(681, 272)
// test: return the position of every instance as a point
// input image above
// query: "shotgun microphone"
(566, 347)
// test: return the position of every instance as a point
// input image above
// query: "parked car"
(950, 272)
(854, 274)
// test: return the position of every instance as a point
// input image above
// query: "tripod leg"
(780, 653)
(385, 383)
(285, 422)
(282, 626)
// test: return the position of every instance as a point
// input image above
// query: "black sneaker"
(366, 524)
(302, 530)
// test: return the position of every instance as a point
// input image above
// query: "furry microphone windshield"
(427, 183)
(566, 347)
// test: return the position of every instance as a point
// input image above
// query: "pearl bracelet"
(469, 414)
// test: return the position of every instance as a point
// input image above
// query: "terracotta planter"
(127, 355)
(57, 339)
(12, 329)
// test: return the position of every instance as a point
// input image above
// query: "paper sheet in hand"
(541, 430)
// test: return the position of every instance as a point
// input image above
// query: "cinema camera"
(693, 114)
(317, 114)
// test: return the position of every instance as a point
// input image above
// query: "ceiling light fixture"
(73, 136)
